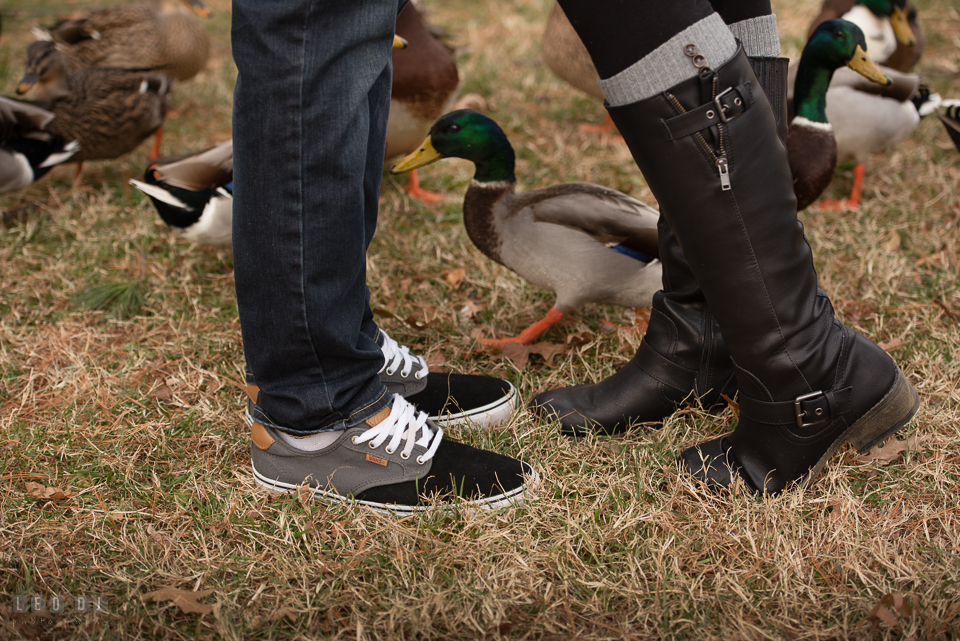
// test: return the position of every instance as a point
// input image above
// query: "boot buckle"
(723, 108)
(818, 412)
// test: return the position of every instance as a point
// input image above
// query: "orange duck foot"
(155, 149)
(530, 334)
(854, 201)
(640, 325)
(414, 190)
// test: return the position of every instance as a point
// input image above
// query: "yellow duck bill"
(419, 158)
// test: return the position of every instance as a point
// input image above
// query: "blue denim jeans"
(309, 130)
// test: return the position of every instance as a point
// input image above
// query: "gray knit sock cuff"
(668, 65)
(759, 36)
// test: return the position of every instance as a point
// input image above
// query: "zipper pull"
(724, 173)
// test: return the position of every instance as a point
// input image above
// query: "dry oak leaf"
(519, 354)
(39, 491)
(892, 344)
(283, 613)
(455, 277)
(893, 449)
(186, 600)
(469, 311)
(898, 601)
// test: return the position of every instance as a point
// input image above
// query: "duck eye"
(453, 128)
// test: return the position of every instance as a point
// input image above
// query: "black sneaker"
(397, 462)
(450, 400)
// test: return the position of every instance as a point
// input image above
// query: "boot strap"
(664, 370)
(728, 104)
(804, 411)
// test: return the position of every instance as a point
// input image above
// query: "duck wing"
(198, 172)
(606, 214)
(23, 117)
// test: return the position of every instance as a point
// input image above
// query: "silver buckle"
(722, 108)
(801, 413)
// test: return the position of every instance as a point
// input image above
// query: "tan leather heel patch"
(377, 418)
(253, 392)
(261, 437)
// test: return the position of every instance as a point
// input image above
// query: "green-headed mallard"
(894, 38)
(425, 81)
(584, 242)
(109, 111)
(158, 35)
(811, 145)
(194, 194)
(27, 149)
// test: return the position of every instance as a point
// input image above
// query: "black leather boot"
(709, 150)
(681, 357)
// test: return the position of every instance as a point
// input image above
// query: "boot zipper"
(721, 160)
(724, 173)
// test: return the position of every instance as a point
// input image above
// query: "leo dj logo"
(58, 604)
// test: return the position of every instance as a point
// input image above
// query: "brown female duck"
(109, 111)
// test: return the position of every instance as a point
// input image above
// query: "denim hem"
(355, 418)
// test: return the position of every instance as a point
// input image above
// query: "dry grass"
(140, 417)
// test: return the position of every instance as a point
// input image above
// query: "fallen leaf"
(880, 612)
(893, 449)
(892, 242)
(10, 446)
(38, 491)
(416, 323)
(606, 327)
(162, 393)
(470, 310)
(455, 277)
(735, 406)
(186, 600)
(281, 613)
(519, 354)
(891, 344)
(436, 361)
(578, 339)
(932, 259)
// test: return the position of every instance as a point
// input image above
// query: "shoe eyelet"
(404, 456)
(389, 451)
(353, 439)
(420, 460)
(391, 373)
(419, 377)
(710, 114)
(372, 446)
(737, 101)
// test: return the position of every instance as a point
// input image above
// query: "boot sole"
(891, 412)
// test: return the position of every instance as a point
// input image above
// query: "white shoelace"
(404, 421)
(396, 355)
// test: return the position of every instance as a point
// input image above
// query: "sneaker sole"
(891, 412)
(514, 498)
(483, 417)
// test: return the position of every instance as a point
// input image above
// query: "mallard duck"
(194, 194)
(565, 55)
(584, 242)
(894, 39)
(425, 81)
(811, 146)
(109, 111)
(159, 35)
(951, 120)
(27, 149)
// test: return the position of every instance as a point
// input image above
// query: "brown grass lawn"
(135, 413)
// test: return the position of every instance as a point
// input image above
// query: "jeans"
(309, 129)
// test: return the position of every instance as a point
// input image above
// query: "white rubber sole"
(514, 498)
(483, 417)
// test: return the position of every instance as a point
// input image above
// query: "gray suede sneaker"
(397, 462)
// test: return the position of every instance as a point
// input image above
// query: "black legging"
(640, 26)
